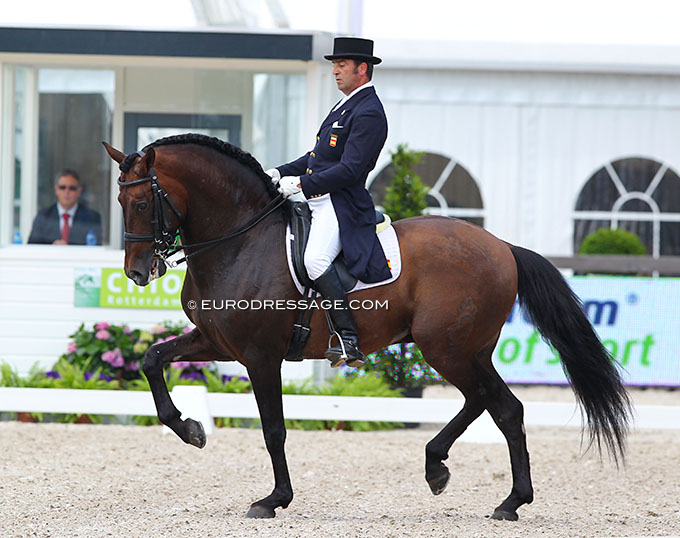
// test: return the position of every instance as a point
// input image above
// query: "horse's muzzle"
(155, 270)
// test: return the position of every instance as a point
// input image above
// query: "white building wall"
(531, 140)
(37, 311)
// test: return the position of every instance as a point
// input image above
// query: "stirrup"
(338, 357)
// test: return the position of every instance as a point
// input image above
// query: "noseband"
(163, 236)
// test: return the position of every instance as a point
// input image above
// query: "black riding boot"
(347, 351)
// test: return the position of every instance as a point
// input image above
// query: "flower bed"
(107, 356)
(117, 350)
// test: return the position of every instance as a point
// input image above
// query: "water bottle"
(17, 239)
(90, 238)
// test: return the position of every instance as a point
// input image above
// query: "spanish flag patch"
(334, 140)
(389, 265)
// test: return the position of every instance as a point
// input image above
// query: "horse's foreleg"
(267, 388)
(190, 346)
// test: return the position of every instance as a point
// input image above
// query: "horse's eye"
(141, 207)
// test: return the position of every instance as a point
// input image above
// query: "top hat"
(353, 48)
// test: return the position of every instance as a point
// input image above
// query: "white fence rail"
(201, 405)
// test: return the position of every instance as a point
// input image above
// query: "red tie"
(66, 228)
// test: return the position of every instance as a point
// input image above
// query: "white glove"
(274, 174)
(289, 185)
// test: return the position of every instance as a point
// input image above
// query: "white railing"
(198, 403)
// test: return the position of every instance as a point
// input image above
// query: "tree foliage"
(405, 197)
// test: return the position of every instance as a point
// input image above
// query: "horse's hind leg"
(437, 450)
(187, 347)
(508, 414)
(465, 376)
(483, 389)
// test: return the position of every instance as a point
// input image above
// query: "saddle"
(300, 225)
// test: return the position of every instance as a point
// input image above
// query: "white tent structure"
(532, 126)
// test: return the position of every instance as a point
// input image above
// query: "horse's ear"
(148, 159)
(116, 155)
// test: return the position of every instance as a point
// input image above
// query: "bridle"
(164, 237)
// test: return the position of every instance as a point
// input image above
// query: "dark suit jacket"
(347, 147)
(46, 226)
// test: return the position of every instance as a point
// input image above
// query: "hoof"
(438, 484)
(257, 511)
(195, 433)
(507, 516)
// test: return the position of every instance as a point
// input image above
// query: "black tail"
(558, 315)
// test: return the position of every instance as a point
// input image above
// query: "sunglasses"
(69, 187)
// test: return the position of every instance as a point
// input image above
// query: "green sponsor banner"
(110, 288)
(637, 320)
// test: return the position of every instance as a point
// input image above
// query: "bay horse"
(457, 287)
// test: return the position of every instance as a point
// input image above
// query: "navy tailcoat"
(347, 147)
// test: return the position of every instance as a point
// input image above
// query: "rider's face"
(348, 75)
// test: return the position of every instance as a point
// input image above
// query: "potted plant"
(403, 367)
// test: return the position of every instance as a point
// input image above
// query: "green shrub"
(608, 241)
(64, 376)
(72, 376)
(406, 196)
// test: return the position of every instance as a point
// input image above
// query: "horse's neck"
(221, 197)
(212, 213)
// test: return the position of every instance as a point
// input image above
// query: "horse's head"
(151, 217)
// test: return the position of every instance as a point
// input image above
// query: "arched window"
(636, 194)
(453, 191)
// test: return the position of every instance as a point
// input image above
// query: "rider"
(332, 178)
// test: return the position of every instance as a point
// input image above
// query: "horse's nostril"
(138, 278)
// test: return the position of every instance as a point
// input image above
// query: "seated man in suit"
(67, 222)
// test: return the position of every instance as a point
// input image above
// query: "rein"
(164, 237)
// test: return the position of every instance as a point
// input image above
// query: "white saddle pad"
(390, 244)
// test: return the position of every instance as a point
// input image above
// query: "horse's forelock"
(127, 163)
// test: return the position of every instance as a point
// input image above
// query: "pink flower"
(161, 340)
(102, 326)
(132, 366)
(72, 347)
(114, 358)
(187, 330)
(200, 364)
(180, 365)
(126, 330)
(157, 329)
(102, 334)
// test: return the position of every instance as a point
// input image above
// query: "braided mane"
(225, 148)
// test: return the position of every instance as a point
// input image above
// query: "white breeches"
(324, 237)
